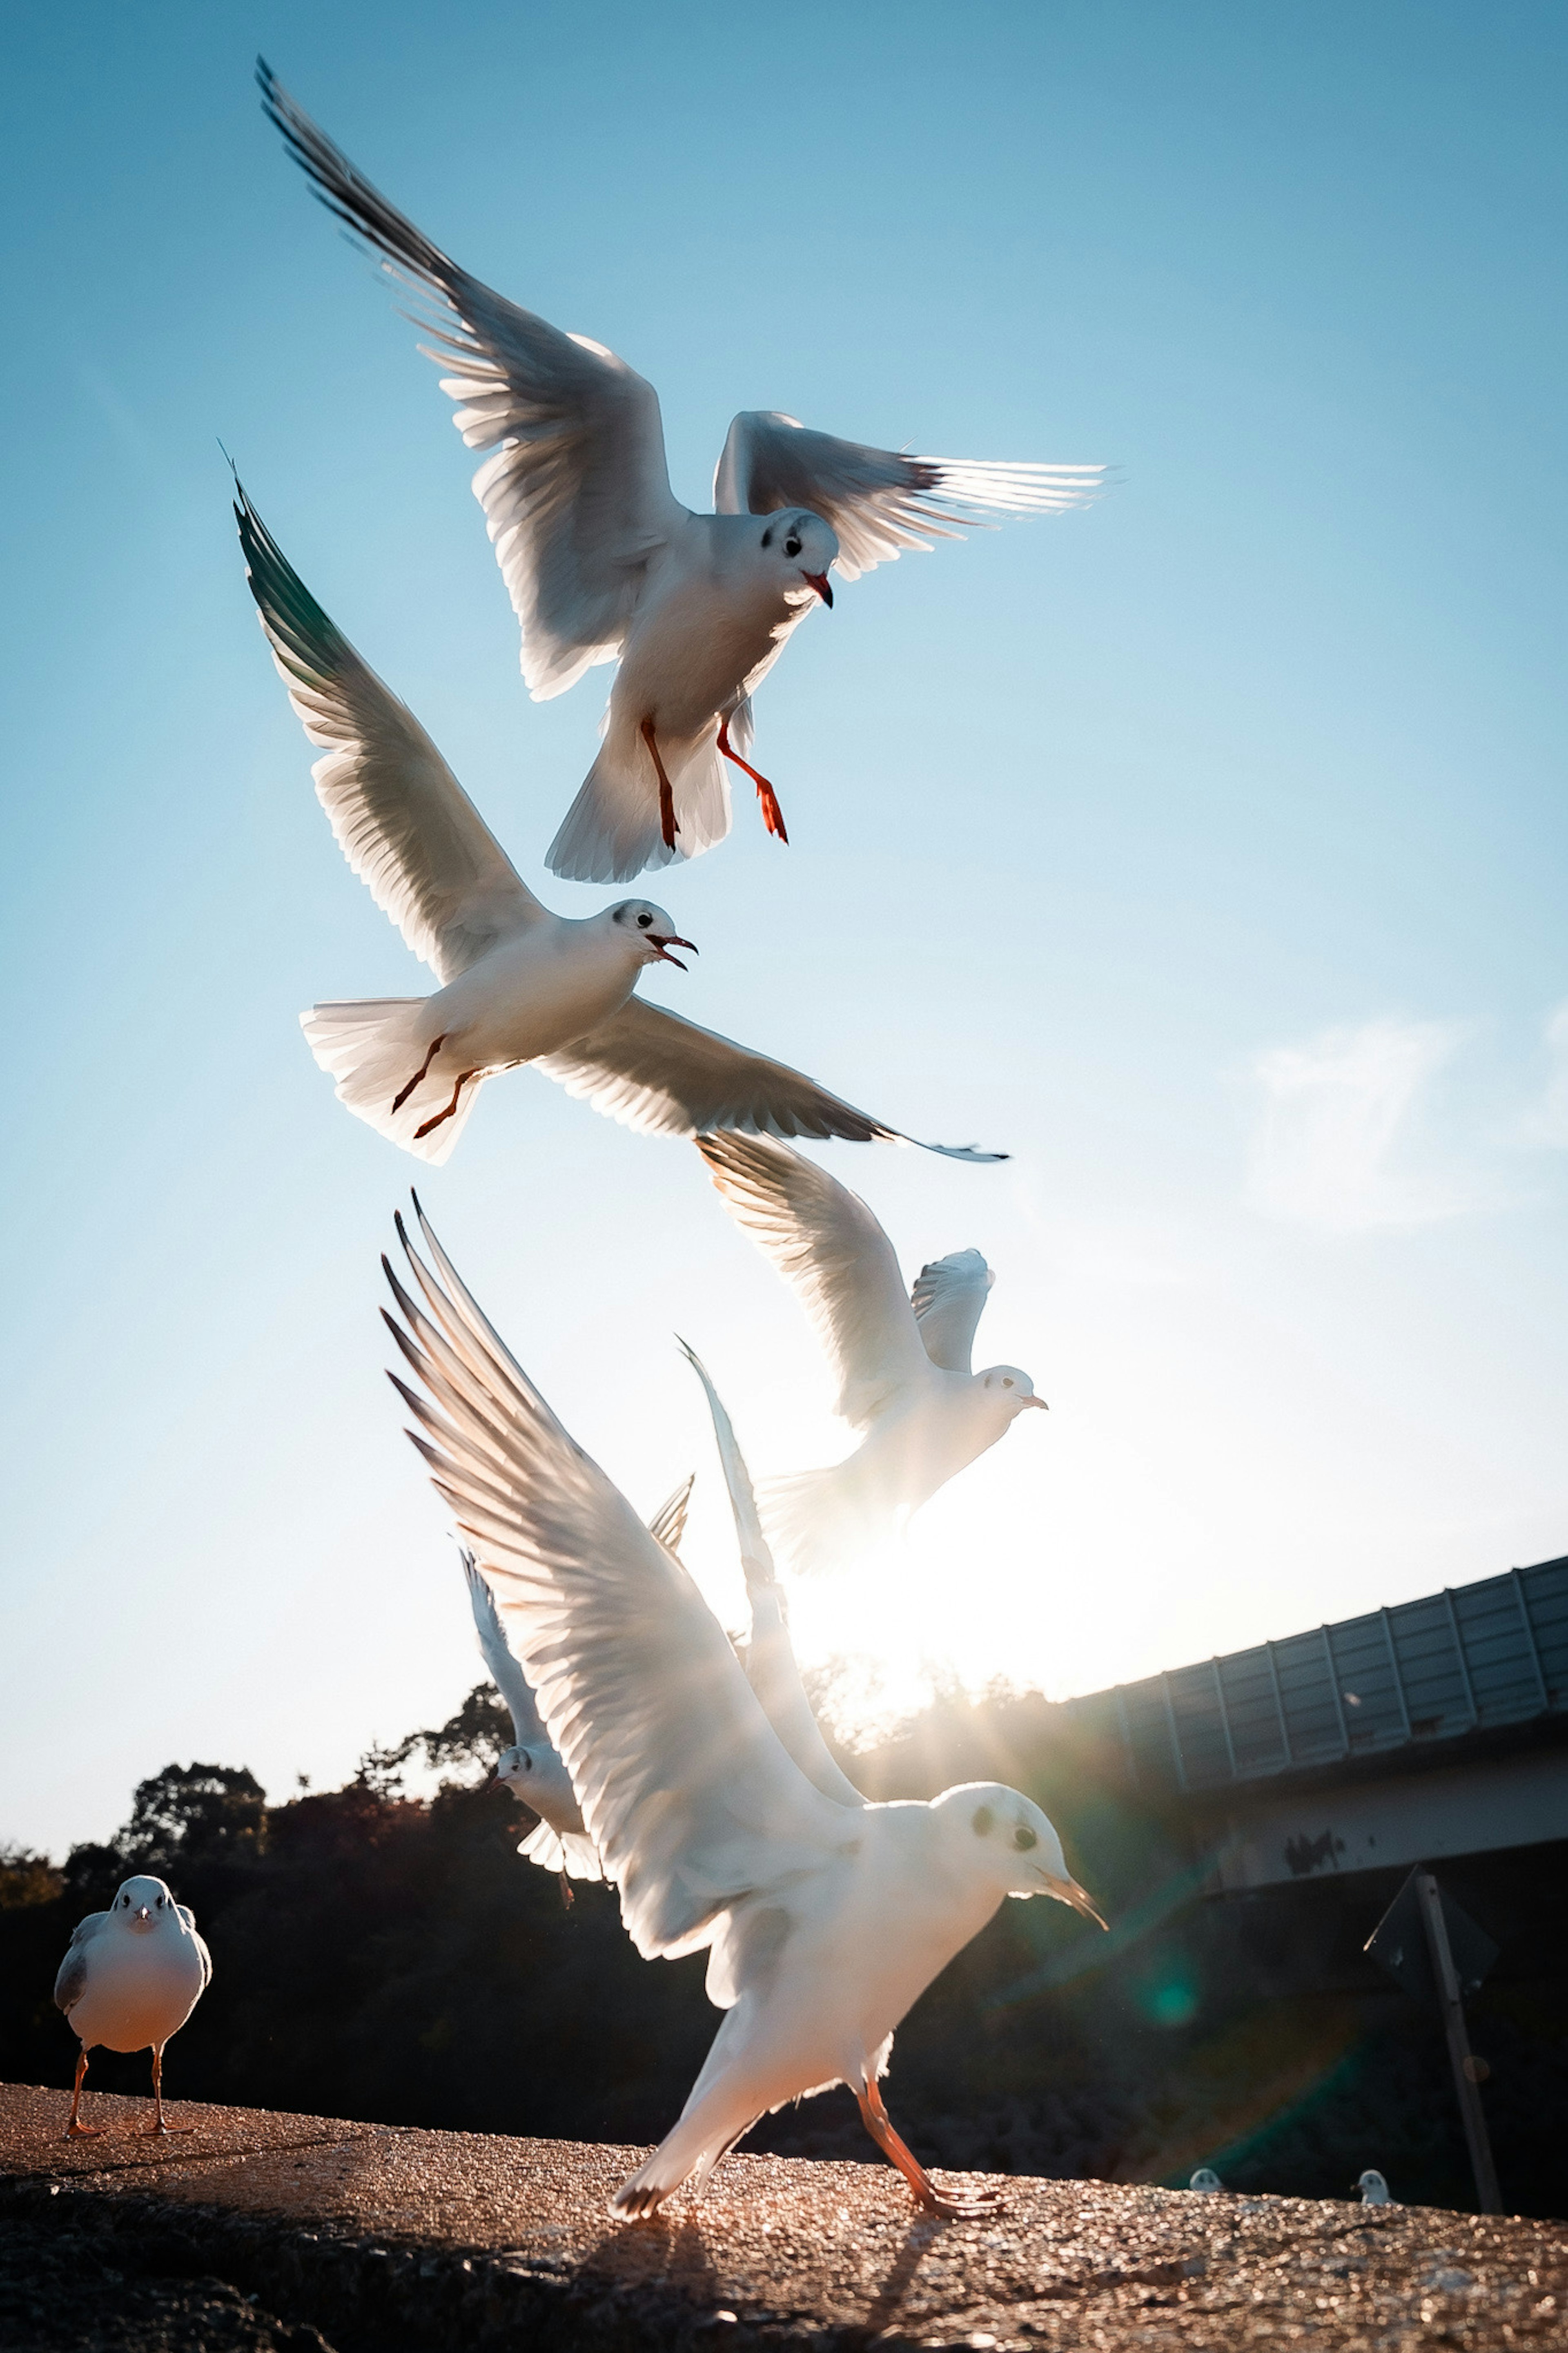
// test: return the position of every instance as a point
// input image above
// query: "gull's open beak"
(664, 948)
(820, 581)
(1067, 1891)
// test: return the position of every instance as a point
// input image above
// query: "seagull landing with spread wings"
(902, 1362)
(823, 1920)
(604, 564)
(517, 984)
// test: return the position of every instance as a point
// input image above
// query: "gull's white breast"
(711, 613)
(141, 1987)
(533, 994)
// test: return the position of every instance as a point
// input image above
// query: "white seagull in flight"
(604, 564)
(824, 1921)
(902, 1362)
(517, 984)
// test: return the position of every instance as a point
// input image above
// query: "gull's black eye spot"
(645, 921)
(1023, 1838)
(792, 546)
(768, 536)
(981, 1825)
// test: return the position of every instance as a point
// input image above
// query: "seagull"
(1205, 2181)
(532, 1768)
(131, 1977)
(517, 983)
(902, 1362)
(604, 563)
(1373, 2188)
(823, 1921)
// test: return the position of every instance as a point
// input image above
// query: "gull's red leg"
(157, 2128)
(772, 816)
(401, 1097)
(879, 2124)
(667, 823)
(567, 1898)
(451, 1107)
(76, 2129)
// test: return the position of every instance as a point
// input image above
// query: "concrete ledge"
(372, 2236)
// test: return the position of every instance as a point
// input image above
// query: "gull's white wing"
(189, 1918)
(401, 819)
(71, 1979)
(668, 1525)
(771, 1666)
(652, 1070)
(829, 1247)
(879, 501)
(948, 1299)
(500, 1658)
(578, 495)
(688, 1797)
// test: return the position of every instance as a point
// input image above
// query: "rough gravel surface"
(258, 2231)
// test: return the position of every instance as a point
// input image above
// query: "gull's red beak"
(664, 947)
(818, 580)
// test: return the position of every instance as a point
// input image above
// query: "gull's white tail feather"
(372, 1047)
(611, 832)
(689, 2153)
(567, 1851)
(817, 1519)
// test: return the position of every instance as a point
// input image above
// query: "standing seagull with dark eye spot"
(603, 562)
(131, 1977)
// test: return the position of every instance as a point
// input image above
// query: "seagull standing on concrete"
(902, 1361)
(517, 984)
(604, 564)
(131, 1977)
(823, 1922)
(532, 1768)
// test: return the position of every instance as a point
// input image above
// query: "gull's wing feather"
(499, 1658)
(879, 501)
(578, 495)
(652, 1070)
(771, 1666)
(70, 1980)
(948, 1299)
(829, 1247)
(401, 819)
(668, 1525)
(689, 1800)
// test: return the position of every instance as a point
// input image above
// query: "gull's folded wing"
(70, 1980)
(772, 1669)
(948, 1300)
(879, 501)
(401, 819)
(692, 1802)
(829, 1247)
(578, 495)
(652, 1070)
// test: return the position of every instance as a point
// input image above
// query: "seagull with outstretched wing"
(517, 983)
(823, 1921)
(604, 564)
(902, 1364)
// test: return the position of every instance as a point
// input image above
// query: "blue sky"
(1206, 849)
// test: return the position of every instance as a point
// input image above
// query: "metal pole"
(1488, 2196)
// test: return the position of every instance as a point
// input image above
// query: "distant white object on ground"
(604, 564)
(902, 1364)
(1373, 2188)
(131, 1977)
(823, 1922)
(1206, 2179)
(517, 983)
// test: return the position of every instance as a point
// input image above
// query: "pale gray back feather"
(70, 1982)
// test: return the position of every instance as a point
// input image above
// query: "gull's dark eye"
(792, 545)
(981, 1825)
(1023, 1838)
(1006, 1385)
(645, 921)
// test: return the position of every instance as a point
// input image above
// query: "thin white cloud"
(1338, 1142)
(1545, 1124)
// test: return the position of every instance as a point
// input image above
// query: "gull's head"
(1004, 1835)
(649, 932)
(1006, 1392)
(142, 1903)
(537, 1777)
(802, 547)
